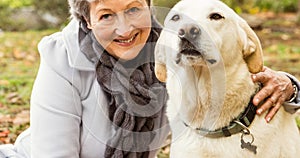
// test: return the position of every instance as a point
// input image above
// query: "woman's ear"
(88, 22)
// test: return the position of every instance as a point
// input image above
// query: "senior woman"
(96, 94)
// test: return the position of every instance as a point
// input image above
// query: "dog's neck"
(222, 96)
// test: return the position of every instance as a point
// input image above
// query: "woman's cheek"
(104, 34)
(143, 22)
(103, 37)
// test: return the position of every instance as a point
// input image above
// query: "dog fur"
(212, 86)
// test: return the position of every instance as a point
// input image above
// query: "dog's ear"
(252, 50)
(160, 59)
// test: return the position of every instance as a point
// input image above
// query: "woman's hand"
(276, 89)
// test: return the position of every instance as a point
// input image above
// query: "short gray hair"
(80, 9)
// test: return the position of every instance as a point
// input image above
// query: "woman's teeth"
(127, 41)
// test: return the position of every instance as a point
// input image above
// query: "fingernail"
(259, 111)
(268, 119)
(253, 77)
(256, 101)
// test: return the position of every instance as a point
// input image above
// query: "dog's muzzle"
(189, 36)
(189, 44)
(191, 50)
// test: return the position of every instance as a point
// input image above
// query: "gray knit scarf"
(136, 98)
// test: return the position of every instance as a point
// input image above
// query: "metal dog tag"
(248, 145)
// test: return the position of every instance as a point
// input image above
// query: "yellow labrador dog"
(206, 54)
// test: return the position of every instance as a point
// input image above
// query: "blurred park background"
(24, 22)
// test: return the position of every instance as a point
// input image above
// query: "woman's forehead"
(116, 5)
(103, 1)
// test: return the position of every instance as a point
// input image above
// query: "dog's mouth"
(188, 48)
(189, 53)
(192, 53)
(190, 57)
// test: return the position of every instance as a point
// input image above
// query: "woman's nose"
(123, 27)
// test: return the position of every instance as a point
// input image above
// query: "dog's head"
(203, 33)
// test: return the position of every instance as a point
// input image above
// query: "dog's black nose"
(189, 32)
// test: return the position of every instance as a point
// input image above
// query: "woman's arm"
(55, 120)
(276, 91)
(55, 116)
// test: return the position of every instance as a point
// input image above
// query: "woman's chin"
(128, 54)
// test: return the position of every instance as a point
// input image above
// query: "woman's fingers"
(273, 110)
(262, 95)
(276, 89)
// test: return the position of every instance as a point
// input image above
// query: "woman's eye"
(106, 17)
(176, 17)
(133, 10)
(216, 16)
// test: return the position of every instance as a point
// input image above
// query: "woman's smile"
(126, 42)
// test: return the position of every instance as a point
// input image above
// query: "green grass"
(283, 50)
(19, 61)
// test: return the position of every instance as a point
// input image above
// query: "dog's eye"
(176, 17)
(215, 16)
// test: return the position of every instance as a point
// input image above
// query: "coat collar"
(76, 58)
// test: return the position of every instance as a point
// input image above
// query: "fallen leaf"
(6, 140)
(5, 136)
(14, 98)
(285, 37)
(5, 119)
(22, 118)
(11, 95)
(4, 82)
(19, 54)
(4, 133)
(31, 58)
